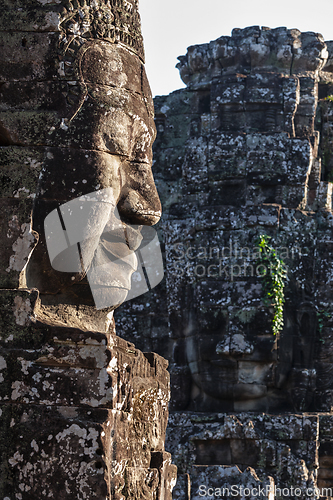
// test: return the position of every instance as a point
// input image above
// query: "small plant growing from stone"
(322, 316)
(273, 280)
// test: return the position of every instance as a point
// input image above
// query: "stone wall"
(245, 150)
(82, 414)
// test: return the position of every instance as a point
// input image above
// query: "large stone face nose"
(139, 202)
(234, 345)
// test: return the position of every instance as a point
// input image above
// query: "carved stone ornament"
(117, 21)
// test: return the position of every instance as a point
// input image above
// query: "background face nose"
(139, 202)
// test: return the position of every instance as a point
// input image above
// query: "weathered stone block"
(310, 427)
(169, 164)
(17, 237)
(226, 156)
(153, 482)
(324, 196)
(79, 453)
(304, 122)
(176, 129)
(137, 386)
(28, 56)
(19, 171)
(37, 16)
(311, 54)
(283, 428)
(234, 218)
(17, 323)
(195, 165)
(38, 378)
(29, 433)
(228, 90)
(264, 88)
(179, 102)
(223, 481)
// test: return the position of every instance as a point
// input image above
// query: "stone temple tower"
(245, 151)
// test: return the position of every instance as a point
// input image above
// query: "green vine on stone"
(274, 279)
(322, 316)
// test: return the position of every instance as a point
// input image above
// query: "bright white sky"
(170, 26)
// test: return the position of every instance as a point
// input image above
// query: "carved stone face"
(107, 145)
(236, 362)
(247, 164)
(233, 368)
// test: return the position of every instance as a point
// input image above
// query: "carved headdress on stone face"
(115, 21)
(85, 23)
